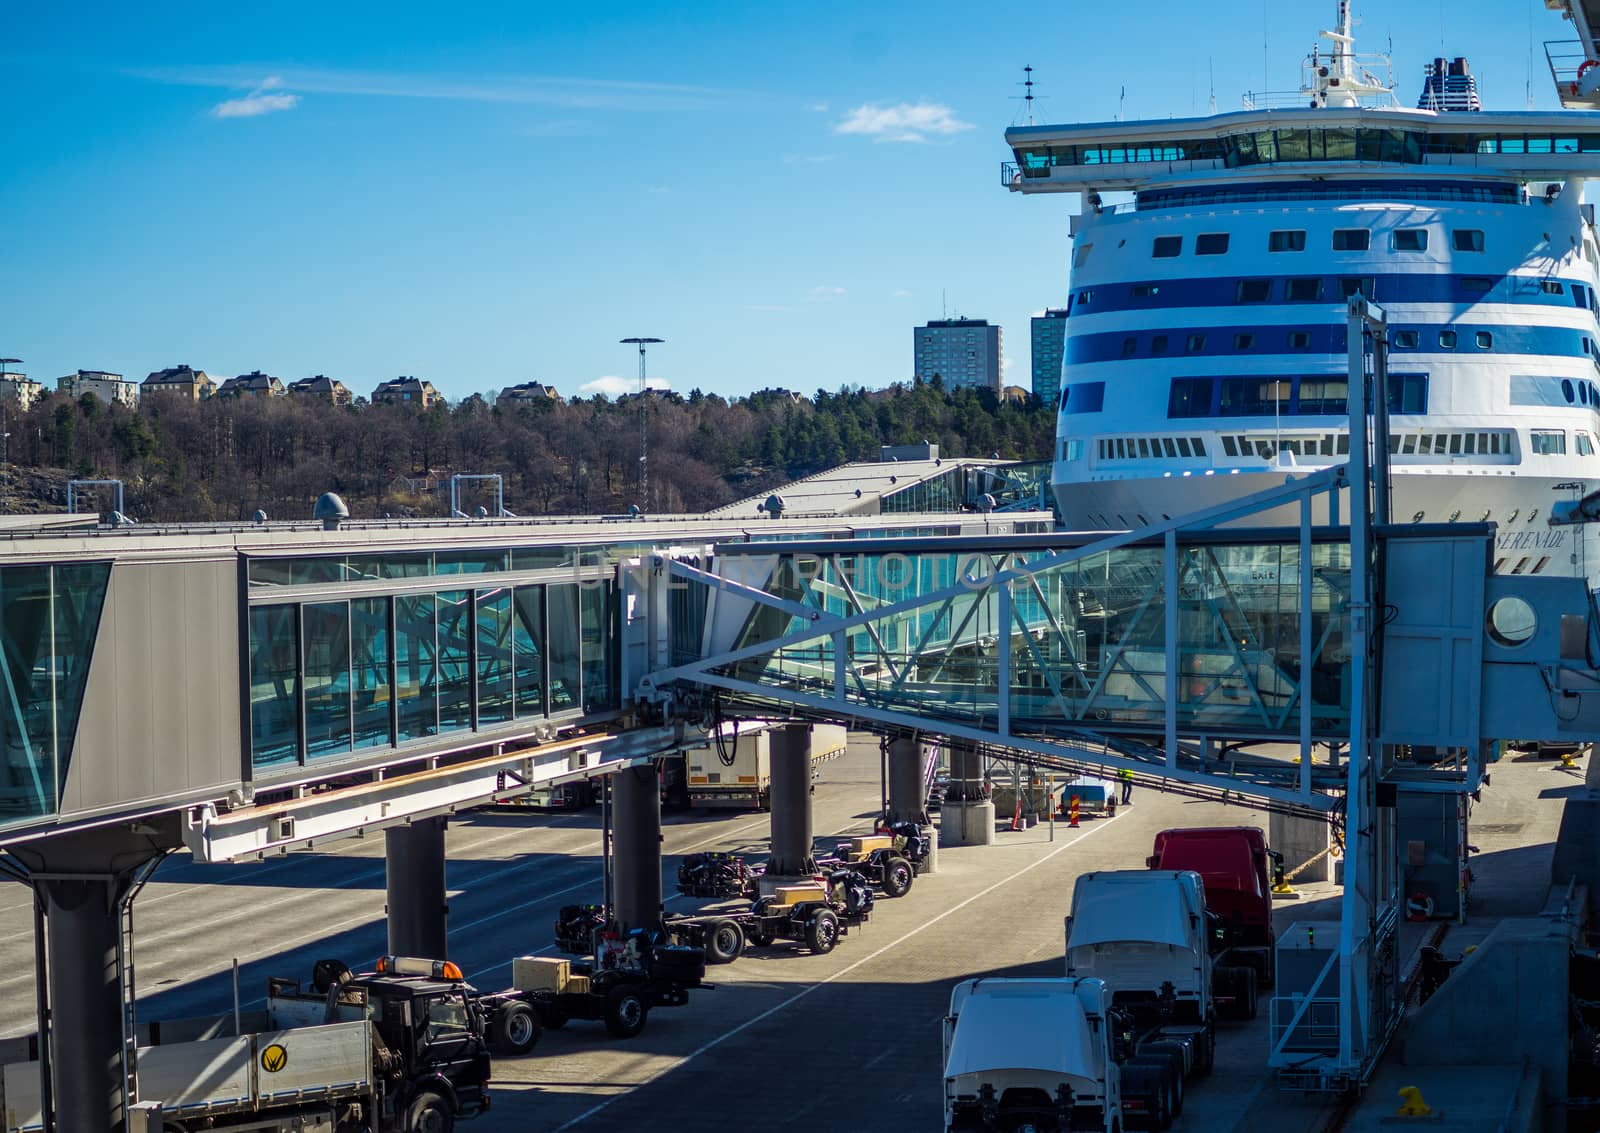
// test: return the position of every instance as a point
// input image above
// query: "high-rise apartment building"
(959, 352)
(1049, 340)
(113, 389)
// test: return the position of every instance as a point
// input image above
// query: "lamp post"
(644, 476)
(5, 436)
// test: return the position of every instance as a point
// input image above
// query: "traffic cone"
(1072, 813)
(1016, 819)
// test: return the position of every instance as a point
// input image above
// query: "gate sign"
(274, 1058)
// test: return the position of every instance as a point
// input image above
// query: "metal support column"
(83, 918)
(791, 802)
(907, 800)
(636, 856)
(418, 912)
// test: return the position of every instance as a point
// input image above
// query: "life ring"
(1584, 66)
(1419, 907)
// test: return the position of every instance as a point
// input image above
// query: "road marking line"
(840, 974)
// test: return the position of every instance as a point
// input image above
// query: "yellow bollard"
(1567, 762)
(1411, 1103)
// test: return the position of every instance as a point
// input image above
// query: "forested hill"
(222, 459)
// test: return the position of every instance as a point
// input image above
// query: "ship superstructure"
(1205, 352)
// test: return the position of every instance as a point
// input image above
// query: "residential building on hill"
(253, 384)
(113, 389)
(959, 352)
(181, 381)
(407, 391)
(324, 388)
(528, 393)
(20, 391)
(1049, 340)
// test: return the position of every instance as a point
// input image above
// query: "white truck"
(383, 1055)
(1045, 1056)
(738, 771)
(1147, 934)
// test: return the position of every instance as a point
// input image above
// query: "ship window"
(1476, 283)
(1408, 393)
(1411, 240)
(1243, 341)
(1467, 239)
(1447, 340)
(1165, 247)
(1543, 562)
(1085, 297)
(1228, 447)
(1585, 443)
(1211, 243)
(1190, 397)
(1145, 290)
(1484, 339)
(1170, 445)
(1352, 285)
(1470, 448)
(1081, 254)
(1547, 442)
(1254, 290)
(1303, 290)
(1580, 295)
(1405, 340)
(1129, 345)
(1287, 240)
(1551, 287)
(1409, 446)
(1183, 446)
(1455, 444)
(1425, 444)
(1144, 447)
(1351, 239)
(1122, 449)
(1567, 390)
(1158, 344)
(1103, 449)
(1199, 446)
(1195, 343)
(1299, 340)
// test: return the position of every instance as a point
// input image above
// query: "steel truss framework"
(1133, 653)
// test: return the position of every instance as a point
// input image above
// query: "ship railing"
(1566, 58)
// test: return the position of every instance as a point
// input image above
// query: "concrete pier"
(636, 841)
(791, 804)
(908, 798)
(1300, 840)
(967, 818)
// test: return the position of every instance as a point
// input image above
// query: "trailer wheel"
(1173, 1056)
(822, 931)
(724, 942)
(758, 935)
(1205, 1050)
(1147, 1083)
(897, 877)
(514, 1031)
(429, 1113)
(626, 1012)
(1247, 993)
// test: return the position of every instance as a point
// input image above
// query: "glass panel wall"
(80, 592)
(416, 679)
(326, 656)
(528, 650)
(455, 659)
(373, 690)
(566, 676)
(599, 666)
(27, 709)
(274, 685)
(494, 656)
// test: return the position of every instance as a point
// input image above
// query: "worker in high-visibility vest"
(1127, 785)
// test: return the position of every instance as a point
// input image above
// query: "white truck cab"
(1031, 1053)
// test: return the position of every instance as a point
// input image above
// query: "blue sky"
(485, 193)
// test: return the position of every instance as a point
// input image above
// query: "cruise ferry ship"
(1205, 353)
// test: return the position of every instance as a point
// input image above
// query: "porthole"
(1511, 622)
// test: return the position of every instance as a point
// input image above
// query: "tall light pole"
(5, 436)
(644, 476)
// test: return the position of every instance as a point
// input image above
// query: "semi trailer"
(1239, 871)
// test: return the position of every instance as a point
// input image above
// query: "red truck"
(1238, 870)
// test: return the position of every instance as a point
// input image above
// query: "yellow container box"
(871, 842)
(794, 894)
(540, 973)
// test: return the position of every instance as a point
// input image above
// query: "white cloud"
(260, 101)
(1007, 363)
(902, 122)
(823, 292)
(613, 386)
(820, 107)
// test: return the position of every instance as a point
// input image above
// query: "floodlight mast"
(644, 475)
